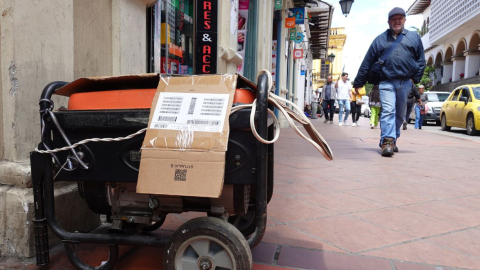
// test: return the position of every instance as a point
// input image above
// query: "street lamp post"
(331, 57)
(346, 5)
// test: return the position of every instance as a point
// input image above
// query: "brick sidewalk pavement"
(419, 210)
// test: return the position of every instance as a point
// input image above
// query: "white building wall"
(447, 17)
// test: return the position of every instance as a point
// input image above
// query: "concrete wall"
(92, 28)
(54, 40)
(37, 48)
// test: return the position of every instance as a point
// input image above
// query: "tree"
(426, 79)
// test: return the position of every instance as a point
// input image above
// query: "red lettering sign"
(204, 69)
(205, 60)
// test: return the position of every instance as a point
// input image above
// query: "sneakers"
(372, 126)
(331, 122)
(326, 120)
(358, 124)
(354, 124)
(387, 147)
(346, 124)
(404, 125)
(340, 124)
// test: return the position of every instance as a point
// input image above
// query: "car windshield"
(476, 92)
(437, 97)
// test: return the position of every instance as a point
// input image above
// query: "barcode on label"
(191, 109)
(167, 119)
(180, 175)
(203, 122)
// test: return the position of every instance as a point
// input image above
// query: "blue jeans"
(418, 117)
(341, 104)
(393, 96)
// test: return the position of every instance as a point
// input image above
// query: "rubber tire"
(473, 131)
(248, 227)
(216, 228)
(443, 123)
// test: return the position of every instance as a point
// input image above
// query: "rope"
(318, 141)
(91, 140)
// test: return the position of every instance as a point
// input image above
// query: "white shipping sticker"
(190, 111)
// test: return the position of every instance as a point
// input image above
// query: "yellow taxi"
(462, 109)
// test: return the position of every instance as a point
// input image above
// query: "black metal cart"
(217, 241)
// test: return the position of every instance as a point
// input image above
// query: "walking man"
(328, 99)
(405, 64)
(314, 104)
(344, 97)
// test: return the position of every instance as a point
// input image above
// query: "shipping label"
(190, 111)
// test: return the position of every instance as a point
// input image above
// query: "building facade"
(323, 67)
(335, 46)
(451, 39)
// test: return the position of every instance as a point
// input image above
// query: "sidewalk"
(419, 210)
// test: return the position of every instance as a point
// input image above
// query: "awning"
(418, 7)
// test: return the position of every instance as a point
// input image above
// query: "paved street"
(419, 210)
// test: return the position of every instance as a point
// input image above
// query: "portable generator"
(106, 172)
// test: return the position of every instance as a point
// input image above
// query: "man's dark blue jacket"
(407, 61)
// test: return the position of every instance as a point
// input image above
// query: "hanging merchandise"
(289, 22)
(274, 58)
(298, 14)
(242, 32)
(299, 37)
(278, 4)
(292, 33)
(297, 53)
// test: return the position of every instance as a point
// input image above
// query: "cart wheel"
(246, 224)
(207, 243)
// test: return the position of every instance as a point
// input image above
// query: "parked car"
(435, 102)
(462, 109)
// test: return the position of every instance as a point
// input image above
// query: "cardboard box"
(184, 148)
(176, 160)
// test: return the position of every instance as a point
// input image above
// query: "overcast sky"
(367, 19)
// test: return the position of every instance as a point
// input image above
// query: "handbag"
(375, 72)
(360, 101)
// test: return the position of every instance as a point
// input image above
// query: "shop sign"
(297, 53)
(289, 22)
(298, 14)
(206, 37)
(299, 37)
(292, 32)
(278, 4)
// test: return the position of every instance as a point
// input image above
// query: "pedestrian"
(414, 95)
(399, 68)
(356, 104)
(420, 107)
(314, 104)
(344, 97)
(375, 106)
(327, 97)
